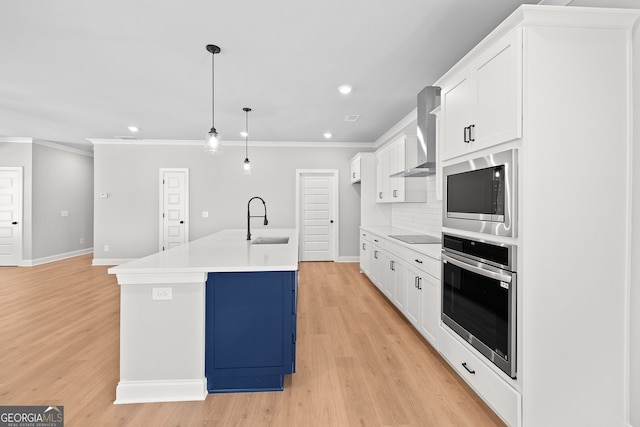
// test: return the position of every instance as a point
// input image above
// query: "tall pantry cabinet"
(554, 83)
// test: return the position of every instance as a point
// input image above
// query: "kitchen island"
(214, 315)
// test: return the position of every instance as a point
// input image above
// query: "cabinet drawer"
(423, 262)
(499, 395)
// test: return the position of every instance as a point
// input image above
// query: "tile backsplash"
(420, 217)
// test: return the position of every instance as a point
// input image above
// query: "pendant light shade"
(213, 142)
(246, 164)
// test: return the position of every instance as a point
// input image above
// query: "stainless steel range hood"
(428, 99)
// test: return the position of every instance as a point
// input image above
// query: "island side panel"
(250, 330)
(161, 341)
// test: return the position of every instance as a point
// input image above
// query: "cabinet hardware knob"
(471, 138)
(471, 371)
(380, 195)
(466, 138)
(354, 174)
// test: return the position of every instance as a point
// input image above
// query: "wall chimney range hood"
(428, 99)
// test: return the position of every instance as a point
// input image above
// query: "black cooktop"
(418, 239)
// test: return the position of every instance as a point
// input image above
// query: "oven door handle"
(478, 270)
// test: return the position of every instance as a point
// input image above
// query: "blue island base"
(250, 330)
(246, 384)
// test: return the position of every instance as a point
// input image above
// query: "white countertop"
(225, 251)
(432, 250)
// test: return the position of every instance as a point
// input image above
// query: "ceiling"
(77, 69)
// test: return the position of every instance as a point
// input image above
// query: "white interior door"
(174, 207)
(10, 216)
(318, 215)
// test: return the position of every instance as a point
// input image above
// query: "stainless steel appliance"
(425, 162)
(479, 296)
(480, 194)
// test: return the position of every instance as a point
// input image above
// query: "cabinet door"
(390, 276)
(376, 268)
(457, 109)
(414, 301)
(400, 289)
(381, 193)
(498, 80)
(355, 170)
(396, 164)
(364, 256)
(430, 320)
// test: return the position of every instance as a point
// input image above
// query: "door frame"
(336, 207)
(20, 203)
(161, 172)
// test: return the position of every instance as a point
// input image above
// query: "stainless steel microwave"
(480, 194)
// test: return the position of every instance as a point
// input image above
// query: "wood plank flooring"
(359, 363)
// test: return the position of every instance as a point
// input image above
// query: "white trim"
(255, 144)
(336, 207)
(348, 259)
(160, 391)
(397, 128)
(161, 172)
(16, 139)
(555, 2)
(110, 261)
(20, 216)
(126, 278)
(56, 257)
(62, 147)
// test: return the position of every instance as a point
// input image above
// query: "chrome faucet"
(249, 216)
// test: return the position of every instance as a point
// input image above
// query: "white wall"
(62, 180)
(127, 220)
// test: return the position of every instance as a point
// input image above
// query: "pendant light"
(213, 142)
(246, 164)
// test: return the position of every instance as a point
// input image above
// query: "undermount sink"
(263, 240)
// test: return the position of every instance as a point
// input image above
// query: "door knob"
(181, 222)
(14, 222)
(331, 221)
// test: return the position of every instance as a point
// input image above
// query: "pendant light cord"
(213, 88)
(246, 137)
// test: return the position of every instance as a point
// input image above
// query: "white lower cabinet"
(499, 395)
(409, 279)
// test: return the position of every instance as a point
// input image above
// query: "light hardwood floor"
(358, 361)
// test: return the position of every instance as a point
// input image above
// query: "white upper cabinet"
(482, 105)
(391, 159)
(356, 168)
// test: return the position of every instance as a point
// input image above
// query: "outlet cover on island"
(161, 294)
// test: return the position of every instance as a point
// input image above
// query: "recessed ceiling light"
(244, 134)
(133, 128)
(327, 135)
(345, 89)
(352, 118)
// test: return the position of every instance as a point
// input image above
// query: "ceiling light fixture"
(213, 143)
(345, 89)
(327, 135)
(133, 129)
(246, 163)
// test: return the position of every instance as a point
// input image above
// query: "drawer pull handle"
(471, 371)
(418, 261)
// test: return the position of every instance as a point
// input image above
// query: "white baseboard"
(348, 259)
(110, 261)
(160, 391)
(56, 257)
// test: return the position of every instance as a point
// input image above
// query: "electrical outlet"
(161, 294)
(205, 214)
(64, 213)
(106, 248)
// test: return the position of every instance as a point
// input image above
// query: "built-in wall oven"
(480, 194)
(479, 296)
